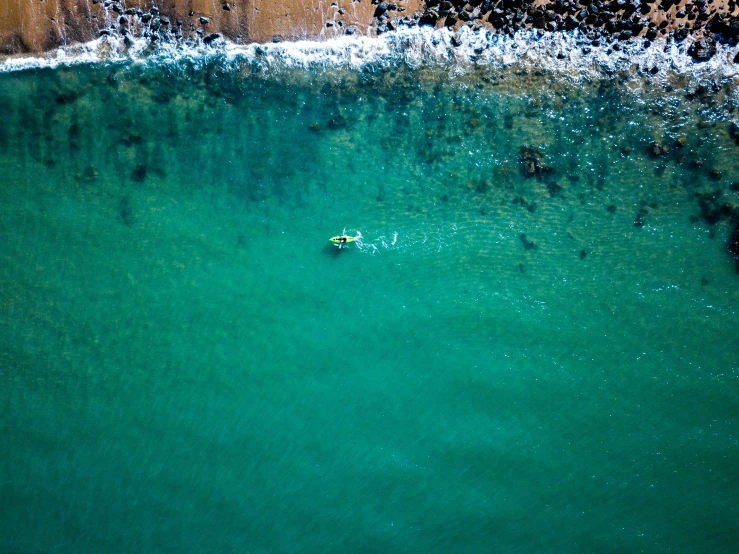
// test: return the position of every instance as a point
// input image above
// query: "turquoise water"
(187, 365)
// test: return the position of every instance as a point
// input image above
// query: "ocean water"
(532, 346)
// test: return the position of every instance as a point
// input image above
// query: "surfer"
(341, 240)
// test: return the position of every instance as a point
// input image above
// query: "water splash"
(566, 54)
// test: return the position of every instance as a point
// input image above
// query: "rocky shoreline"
(33, 27)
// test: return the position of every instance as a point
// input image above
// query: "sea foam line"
(566, 53)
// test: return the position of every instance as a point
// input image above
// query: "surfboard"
(341, 239)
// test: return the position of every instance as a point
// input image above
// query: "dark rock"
(531, 165)
(703, 49)
(733, 245)
(640, 215)
(680, 35)
(428, 18)
(611, 209)
(125, 211)
(554, 189)
(146, 18)
(734, 132)
(337, 122)
(226, 7)
(527, 244)
(656, 149)
(713, 209)
(583, 254)
(211, 37)
(204, 20)
(139, 173)
(104, 32)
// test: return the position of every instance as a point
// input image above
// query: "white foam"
(414, 47)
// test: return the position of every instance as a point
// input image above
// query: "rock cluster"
(601, 21)
(155, 26)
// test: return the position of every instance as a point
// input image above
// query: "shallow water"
(501, 362)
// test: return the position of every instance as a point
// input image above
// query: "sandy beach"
(33, 27)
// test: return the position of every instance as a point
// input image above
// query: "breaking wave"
(569, 54)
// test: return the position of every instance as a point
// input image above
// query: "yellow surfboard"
(341, 239)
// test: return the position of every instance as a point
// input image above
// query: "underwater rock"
(713, 209)
(531, 165)
(733, 245)
(89, 175)
(139, 173)
(125, 211)
(554, 189)
(337, 122)
(657, 149)
(640, 215)
(734, 131)
(527, 244)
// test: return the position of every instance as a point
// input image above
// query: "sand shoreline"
(36, 27)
